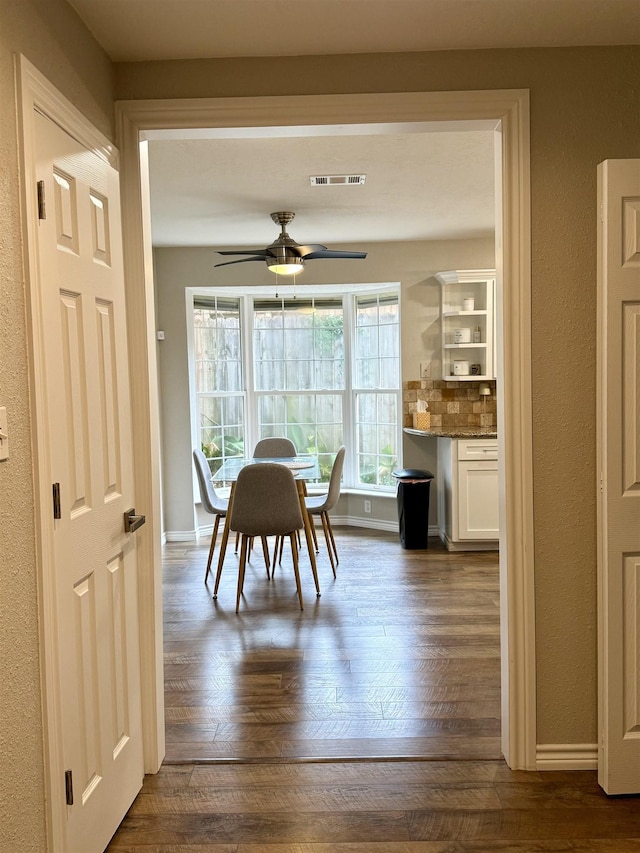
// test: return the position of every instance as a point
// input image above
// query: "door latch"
(132, 521)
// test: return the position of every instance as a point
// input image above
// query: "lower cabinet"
(468, 493)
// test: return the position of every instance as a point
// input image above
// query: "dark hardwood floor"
(398, 657)
(367, 722)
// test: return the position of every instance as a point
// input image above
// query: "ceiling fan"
(284, 256)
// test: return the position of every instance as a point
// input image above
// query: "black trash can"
(413, 507)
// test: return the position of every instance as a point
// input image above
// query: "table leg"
(307, 532)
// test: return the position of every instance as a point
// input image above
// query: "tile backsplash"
(452, 404)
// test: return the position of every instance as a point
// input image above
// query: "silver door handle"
(132, 521)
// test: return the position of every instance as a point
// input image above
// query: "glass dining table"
(304, 469)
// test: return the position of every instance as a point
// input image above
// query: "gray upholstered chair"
(265, 503)
(217, 506)
(211, 500)
(322, 504)
(274, 448)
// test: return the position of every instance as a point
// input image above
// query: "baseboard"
(369, 523)
(570, 756)
(390, 526)
(186, 535)
(336, 521)
(470, 545)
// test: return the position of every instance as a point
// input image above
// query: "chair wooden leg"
(225, 538)
(333, 541)
(214, 536)
(265, 551)
(221, 555)
(313, 533)
(241, 568)
(277, 553)
(309, 537)
(294, 553)
(325, 527)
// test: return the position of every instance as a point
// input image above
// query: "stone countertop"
(454, 432)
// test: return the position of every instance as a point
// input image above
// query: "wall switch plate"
(425, 370)
(4, 434)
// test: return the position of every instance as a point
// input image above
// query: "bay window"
(323, 370)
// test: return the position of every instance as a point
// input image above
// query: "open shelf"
(458, 286)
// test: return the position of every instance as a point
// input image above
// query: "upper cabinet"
(467, 324)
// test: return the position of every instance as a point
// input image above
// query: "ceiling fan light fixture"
(285, 266)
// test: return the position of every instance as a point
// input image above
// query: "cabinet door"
(478, 500)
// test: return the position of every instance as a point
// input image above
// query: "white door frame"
(509, 110)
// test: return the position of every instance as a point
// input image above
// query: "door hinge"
(68, 786)
(56, 501)
(42, 208)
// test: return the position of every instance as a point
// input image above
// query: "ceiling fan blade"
(304, 251)
(334, 253)
(262, 252)
(240, 261)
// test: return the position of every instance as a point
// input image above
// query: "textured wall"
(585, 107)
(53, 39)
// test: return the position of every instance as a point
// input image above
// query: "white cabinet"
(468, 493)
(467, 324)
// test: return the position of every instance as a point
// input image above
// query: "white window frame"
(348, 292)
(353, 392)
(191, 294)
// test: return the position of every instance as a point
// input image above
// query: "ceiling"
(219, 189)
(418, 185)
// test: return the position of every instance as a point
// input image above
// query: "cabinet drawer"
(470, 449)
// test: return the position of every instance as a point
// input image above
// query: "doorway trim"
(509, 109)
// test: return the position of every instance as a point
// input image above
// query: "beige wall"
(411, 264)
(50, 35)
(585, 107)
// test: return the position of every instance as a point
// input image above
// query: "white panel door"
(619, 466)
(89, 436)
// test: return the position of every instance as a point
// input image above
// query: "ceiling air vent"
(337, 180)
